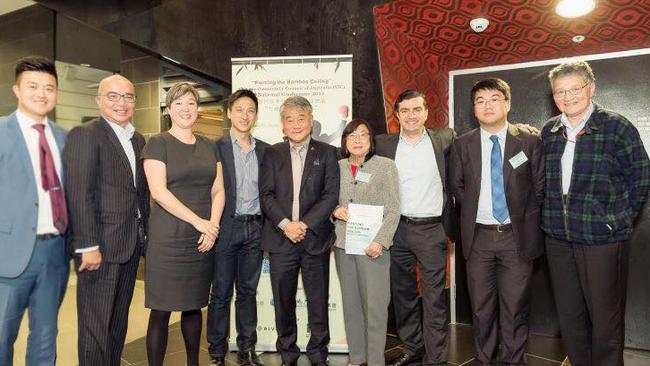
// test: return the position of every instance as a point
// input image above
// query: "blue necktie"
(499, 205)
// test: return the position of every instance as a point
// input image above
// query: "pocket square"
(316, 162)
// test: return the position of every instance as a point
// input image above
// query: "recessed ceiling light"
(579, 38)
(574, 8)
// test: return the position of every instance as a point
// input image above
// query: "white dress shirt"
(419, 178)
(484, 213)
(45, 221)
(570, 148)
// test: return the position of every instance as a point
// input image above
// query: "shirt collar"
(25, 121)
(305, 144)
(403, 138)
(122, 132)
(501, 134)
(583, 121)
(235, 140)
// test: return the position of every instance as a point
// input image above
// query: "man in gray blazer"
(33, 261)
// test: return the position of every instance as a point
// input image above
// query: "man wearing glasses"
(497, 178)
(597, 180)
(108, 207)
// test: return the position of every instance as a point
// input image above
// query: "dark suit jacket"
(102, 201)
(319, 192)
(441, 138)
(227, 158)
(524, 187)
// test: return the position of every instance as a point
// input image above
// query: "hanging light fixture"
(574, 8)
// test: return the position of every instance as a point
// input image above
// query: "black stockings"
(191, 323)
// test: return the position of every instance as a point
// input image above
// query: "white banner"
(326, 81)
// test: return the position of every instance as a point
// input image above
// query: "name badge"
(363, 177)
(518, 159)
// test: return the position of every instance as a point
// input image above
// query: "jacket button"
(350, 199)
(355, 182)
(36, 204)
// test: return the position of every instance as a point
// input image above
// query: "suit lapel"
(512, 146)
(16, 136)
(440, 159)
(476, 156)
(310, 159)
(112, 137)
(228, 161)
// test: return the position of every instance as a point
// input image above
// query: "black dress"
(177, 275)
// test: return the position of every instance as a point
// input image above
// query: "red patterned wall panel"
(419, 41)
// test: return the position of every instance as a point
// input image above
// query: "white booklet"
(362, 227)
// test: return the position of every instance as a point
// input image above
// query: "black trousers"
(426, 334)
(238, 264)
(499, 281)
(589, 285)
(103, 300)
(284, 269)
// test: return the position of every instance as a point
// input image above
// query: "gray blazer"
(381, 190)
(19, 197)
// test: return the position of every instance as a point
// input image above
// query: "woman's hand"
(341, 213)
(374, 250)
(207, 228)
(205, 243)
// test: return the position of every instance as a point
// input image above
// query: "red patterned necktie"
(50, 181)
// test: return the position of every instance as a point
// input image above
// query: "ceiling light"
(579, 38)
(574, 8)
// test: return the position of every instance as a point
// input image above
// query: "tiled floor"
(542, 351)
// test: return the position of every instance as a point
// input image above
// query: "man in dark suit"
(238, 252)
(299, 187)
(108, 205)
(497, 178)
(427, 219)
(34, 266)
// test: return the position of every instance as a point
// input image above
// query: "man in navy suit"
(33, 260)
(239, 253)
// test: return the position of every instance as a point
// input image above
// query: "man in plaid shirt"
(597, 180)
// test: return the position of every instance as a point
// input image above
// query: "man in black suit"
(427, 219)
(108, 207)
(497, 178)
(299, 187)
(239, 254)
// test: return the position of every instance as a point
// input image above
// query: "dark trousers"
(103, 299)
(315, 280)
(238, 264)
(589, 284)
(425, 245)
(40, 288)
(499, 281)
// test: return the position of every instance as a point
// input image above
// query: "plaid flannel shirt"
(609, 183)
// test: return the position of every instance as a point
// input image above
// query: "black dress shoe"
(249, 359)
(217, 361)
(294, 363)
(320, 363)
(406, 359)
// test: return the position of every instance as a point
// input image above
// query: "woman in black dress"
(186, 183)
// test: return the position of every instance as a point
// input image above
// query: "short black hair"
(351, 127)
(36, 63)
(491, 84)
(242, 93)
(409, 94)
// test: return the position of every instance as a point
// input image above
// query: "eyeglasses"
(485, 102)
(358, 136)
(115, 97)
(559, 94)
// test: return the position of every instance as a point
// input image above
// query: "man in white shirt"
(33, 220)
(108, 205)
